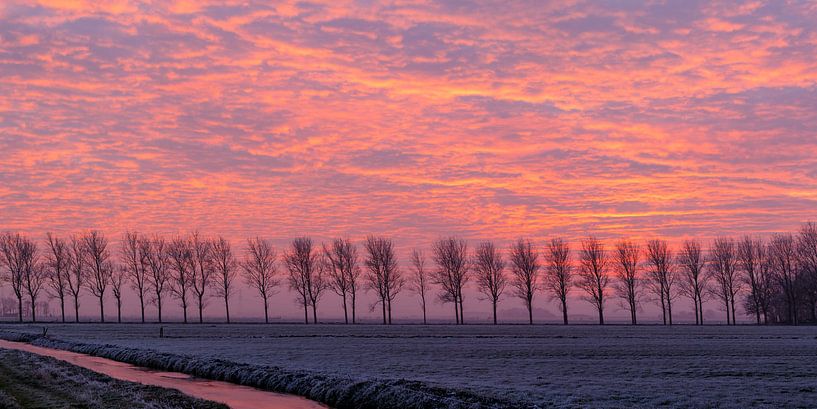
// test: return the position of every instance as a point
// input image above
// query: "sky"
(412, 119)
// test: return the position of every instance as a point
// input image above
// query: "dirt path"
(32, 381)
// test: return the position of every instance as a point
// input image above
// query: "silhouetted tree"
(559, 273)
(749, 255)
(344, 271)
(489, 272)
(99, 267)
(382, 273)
(77, 272)
(260, 270)
(58, 265)
(524, 262)
(695, 281)
(306, 274)
(451, 257)
(180, 255)
(661, 276)
(593, 273)
(17, 256)
(201, 269)
(783, 253)
(135, 266)
(225, 268)
(628, 285)
(118, 275)
(420, 281)
(807, 256)
(723, 266)
(158, 262)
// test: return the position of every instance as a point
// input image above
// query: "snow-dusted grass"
(576, 366)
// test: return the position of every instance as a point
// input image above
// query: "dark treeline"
(774, 279)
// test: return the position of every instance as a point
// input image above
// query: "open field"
(32, 381)
(545, 366)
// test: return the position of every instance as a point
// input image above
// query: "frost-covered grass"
(576, 366)
(32, 381)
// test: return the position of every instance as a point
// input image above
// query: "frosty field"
(544, 366)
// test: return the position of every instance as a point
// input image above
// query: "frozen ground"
(546, 366)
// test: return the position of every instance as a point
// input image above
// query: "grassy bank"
(32, 381)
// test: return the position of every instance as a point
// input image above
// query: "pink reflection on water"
(235, 396)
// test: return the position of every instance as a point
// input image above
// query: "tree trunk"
(119, 310)
(456, 313)
(383, 304)
(62, 308)
(734, 320)
(314, 313)
(266, 311)
(101, 309)
(601, 316)
(184, 312)
(306, 312)
(462, 315)
(424, 311)
(159, 307)
(76, 308)
(201, 310)
(354, 318)
(663, 307)
(227, 308)
(494, 311)
(33, 311)
(345, 313)
(632, 314)
(389, 311)
(669, 309)
(564, 310)
(142, 307)
(20, 308)
(530, 313)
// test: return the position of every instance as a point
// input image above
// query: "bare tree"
(34, 273)
(559, 273)
(783, 253)
(489, 272)
(723, 263)
(136, 267)
(58, 264)
(158, 261)
(260, 270)
(201, 270)
(695, 282)
(343, 271)
(17, 256)
(77, 272)
(749, 255)
(181, 264)
(451, 257)
(306, 274)
(628, 285)
(661, 276)
(99, 267)
(525, 272)
(225, 270)
(420, 281)
(807, 255)
(118, 276)
(593, 273)
(383, 275)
